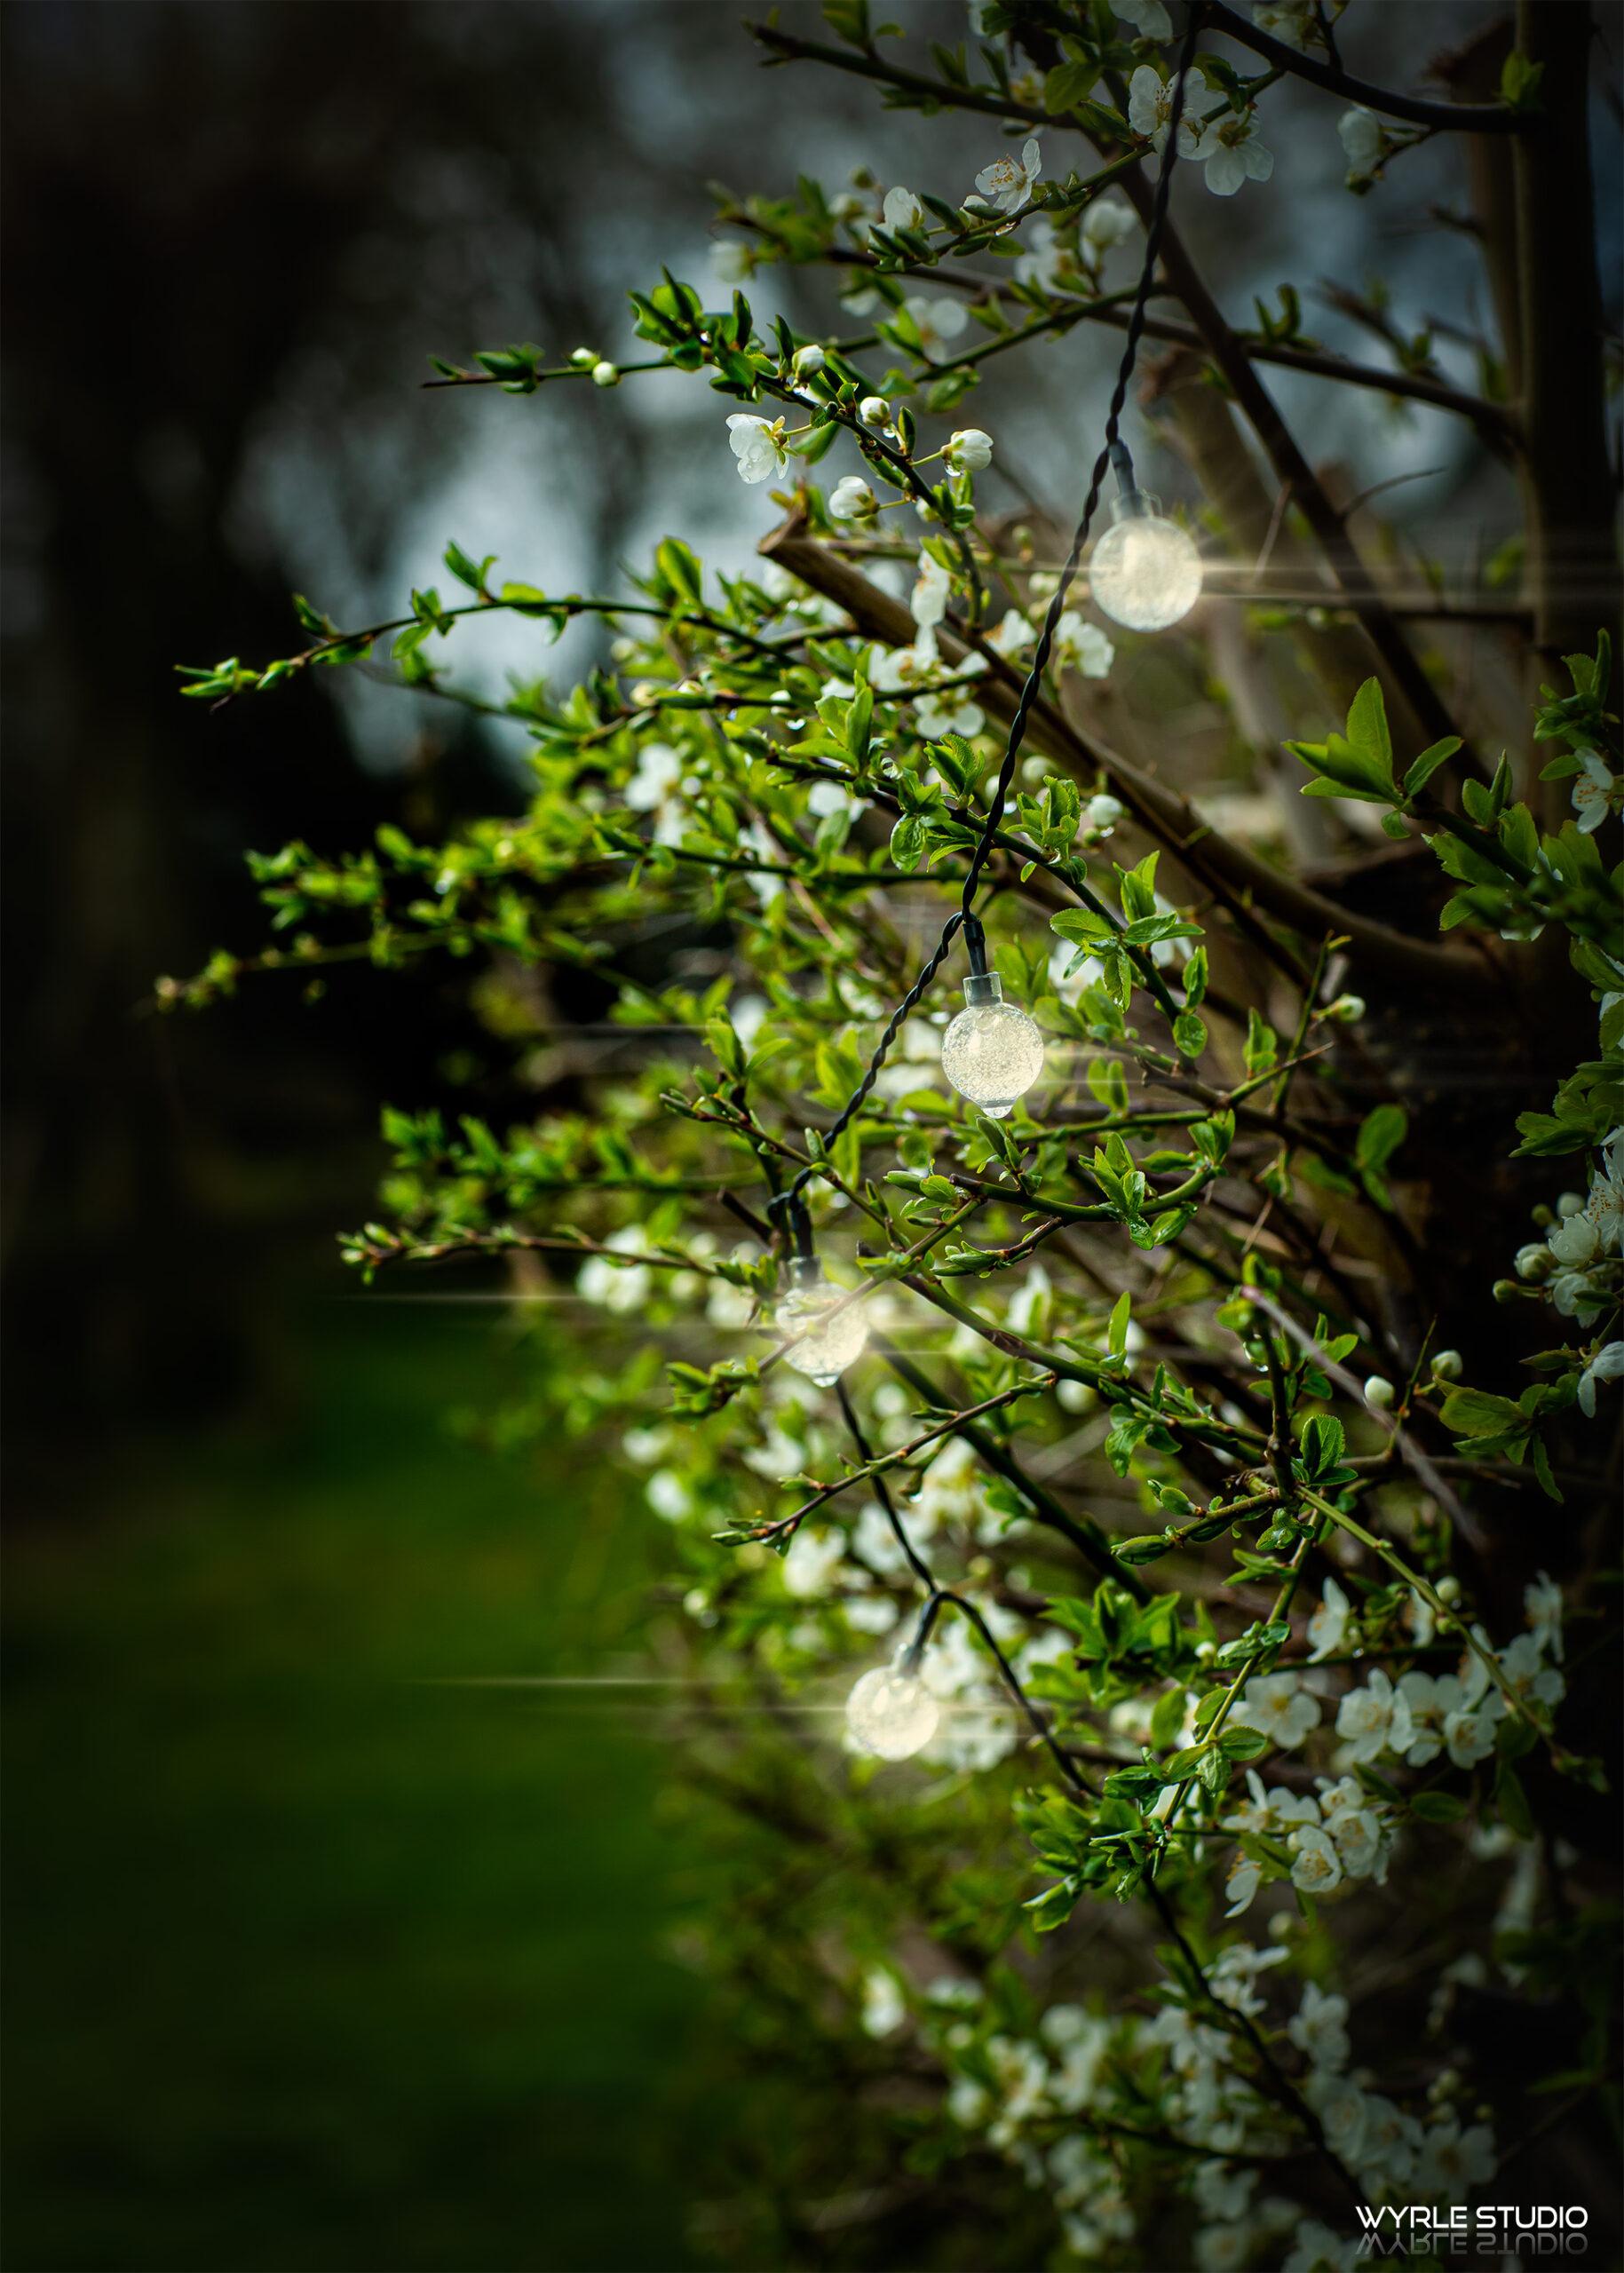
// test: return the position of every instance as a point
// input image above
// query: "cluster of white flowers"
(1423, 1714)
(1052, 263)
(1578, 1261)
(1393, 2153)
(1224, 142)
(1335, 1834)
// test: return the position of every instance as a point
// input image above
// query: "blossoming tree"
(1183, 1406)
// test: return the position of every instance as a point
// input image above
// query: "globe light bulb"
(993, 1051)
(820, 1345)
(891, 1714)
(1144, 573)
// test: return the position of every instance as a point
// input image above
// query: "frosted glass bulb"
(821, 1351)
(891, 1714)
(993, 1051)
(1145, 573)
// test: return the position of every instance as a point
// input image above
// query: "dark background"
(314, 1959)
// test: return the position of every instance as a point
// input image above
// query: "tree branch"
(1446, 117)
(1237, 877)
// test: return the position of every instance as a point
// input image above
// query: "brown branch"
(1237, 877)
(1446, 117)
(1351, 577)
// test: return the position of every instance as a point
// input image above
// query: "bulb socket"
(983, 986)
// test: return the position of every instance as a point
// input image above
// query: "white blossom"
(1523, 1667)
(1102, 813)
(1280, 1707)
(1317, 2249)
(667, 1496)
(1293, 22)
(936, 321)
(618, 1288)
(1374, 1719)
(826, 798)
(936, 715)
(1451, 2162)
(1542, 1603)
(1008, 182)
(1596, 792)
(902, 210)
(814, 1559)
(851, 500)
(1319, 2028)
(884, 2009)
(1606, 1366)
(1391, 2141)
(1430, 1700)
(969, 451)
(1044, 261)
(1359, 132)
(1468, 1732)
(731, 260)
(757, 444)
(654, 788)
(1241, 1883)
(1316, 1866)
(1106, 222)
(932, 585)
(1232, 1976)
(1148, 18)
(1083, 646)
(1012, 636)
(1329, 1623)
(1234, 155)
(1149, 110)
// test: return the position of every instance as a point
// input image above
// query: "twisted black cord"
(789, 1207)
(1108, 451)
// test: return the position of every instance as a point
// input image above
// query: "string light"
(1145, 573)
(825, 1340)
(992, 1052)
(891, 1714)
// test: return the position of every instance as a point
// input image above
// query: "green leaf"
(1426, 765)
(1437, 1806)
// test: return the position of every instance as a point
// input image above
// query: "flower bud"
(1379, 1393)
(605, 375)
(1533, 1261)
(873, 410)
(1448, 1365)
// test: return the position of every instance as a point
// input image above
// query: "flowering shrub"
(1210, 1439)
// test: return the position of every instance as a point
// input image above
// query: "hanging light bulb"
(891, 1713)
(1144, 573)
(823, 1341)
(993, 1051)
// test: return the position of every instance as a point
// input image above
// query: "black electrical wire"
(789, 1207)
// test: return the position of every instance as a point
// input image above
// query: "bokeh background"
(327, 1948)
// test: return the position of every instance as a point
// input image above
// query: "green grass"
(315, 1963)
